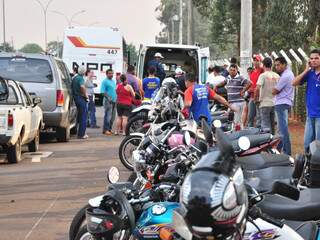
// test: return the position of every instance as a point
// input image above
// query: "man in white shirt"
(214, 78)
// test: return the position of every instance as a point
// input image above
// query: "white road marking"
(40, 219)
(36, 157)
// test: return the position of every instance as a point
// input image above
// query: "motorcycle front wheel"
(127, 146)
(83, 234)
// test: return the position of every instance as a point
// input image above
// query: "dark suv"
(48, 78)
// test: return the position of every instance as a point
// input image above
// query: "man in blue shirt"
(151, 83)
(160, 73)
(108, 90)
(311, 75)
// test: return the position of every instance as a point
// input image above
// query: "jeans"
(311, 132)
(267, 118)
(82, 114)
(282, 112)
(109, 113)
(237, 115)
(254, 112)
(92, 112)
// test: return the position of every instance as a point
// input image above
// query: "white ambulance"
(189, 58)
(96, 48)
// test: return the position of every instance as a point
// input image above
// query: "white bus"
(96, 48)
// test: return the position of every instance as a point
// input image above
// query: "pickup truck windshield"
(26, 69)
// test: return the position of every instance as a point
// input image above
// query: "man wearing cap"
(156, 63)
(81, 98)
(254, 111)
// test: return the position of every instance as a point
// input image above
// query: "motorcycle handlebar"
(256, 212)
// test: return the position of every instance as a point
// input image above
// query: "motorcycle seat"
(263, 179)
(121, 186)
(244, 132)
(263, 160)
(222, 118)
(217, 113)
(255, 141)
(307, 230)
(305, 209)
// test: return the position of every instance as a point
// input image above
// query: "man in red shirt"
(253, 105)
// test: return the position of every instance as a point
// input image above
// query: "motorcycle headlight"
(139, 162)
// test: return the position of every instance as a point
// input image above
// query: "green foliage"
(8, 47)
(133, 53)
(31, 48)
(55, 48)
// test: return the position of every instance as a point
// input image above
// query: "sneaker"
(83, 137)
(115, 133)
(108, 133)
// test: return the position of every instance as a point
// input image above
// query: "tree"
(133, 53)
(31, 48)
(55, 48)
(8, 47)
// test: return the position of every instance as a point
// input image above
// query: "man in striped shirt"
(236, 86)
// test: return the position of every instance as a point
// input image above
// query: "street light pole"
(69, 20)
(246, 35)
(181, 22)
(45, 10)
(4, 26)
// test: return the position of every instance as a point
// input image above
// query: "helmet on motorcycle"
(215, 202)
(113, 214)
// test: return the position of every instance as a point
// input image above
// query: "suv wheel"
(14, 152)
(63, 134)
(34, 145)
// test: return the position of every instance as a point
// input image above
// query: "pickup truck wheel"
(14, 152)
(34, 145)
(63, 134)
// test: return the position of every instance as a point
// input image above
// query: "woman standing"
(125, 95)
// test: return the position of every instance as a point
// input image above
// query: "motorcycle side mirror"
(244, 143)
(113, 175)
(285, 190)
(187, 138)
(217, 123)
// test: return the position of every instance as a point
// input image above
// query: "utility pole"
(4, 26)
(172, 28)
(246, 35)
(190, 23)
(180, 22)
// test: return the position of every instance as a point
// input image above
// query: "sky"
(25, 19)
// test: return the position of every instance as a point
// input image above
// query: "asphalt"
(39, 199)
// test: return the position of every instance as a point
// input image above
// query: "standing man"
(266, 82)
(108, 90)
(81, 99)
(150, 84)
(253, 107)
(236, 86)
(90, 92)
(197, 97)
(311, 76)
(284, 94)
(156, 62)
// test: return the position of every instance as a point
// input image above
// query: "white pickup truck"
(20, 119)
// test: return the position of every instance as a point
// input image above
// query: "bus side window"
(92, 66)
(105, 66)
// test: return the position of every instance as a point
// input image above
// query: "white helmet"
(168, 81)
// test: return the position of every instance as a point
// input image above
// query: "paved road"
(39, 199)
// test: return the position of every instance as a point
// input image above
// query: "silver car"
(48, 78)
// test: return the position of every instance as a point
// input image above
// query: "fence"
(297, 63)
